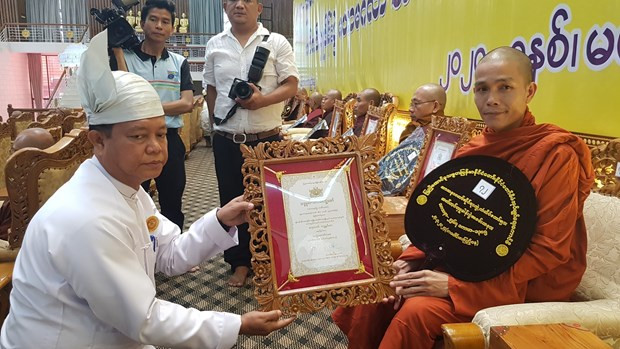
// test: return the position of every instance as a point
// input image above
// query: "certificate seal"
(152, 223)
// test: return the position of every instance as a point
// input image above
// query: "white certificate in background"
(319, 222)
(441, 153)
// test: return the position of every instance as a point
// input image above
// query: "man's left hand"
(428, 283)
(234, 212)
(256, 101)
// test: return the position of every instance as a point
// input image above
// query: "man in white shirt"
(258, 119)
(84, 277)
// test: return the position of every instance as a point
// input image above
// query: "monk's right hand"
(258, 323)
(400, 267)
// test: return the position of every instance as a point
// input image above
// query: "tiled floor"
(207, 289)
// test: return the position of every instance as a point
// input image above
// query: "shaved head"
(335, 94)
(315, 100)
(33, 138)
(366, 98)
(329, 99)
(428, 100)
(433, 92)
(513, 56)
(371, 95)
(503, 88)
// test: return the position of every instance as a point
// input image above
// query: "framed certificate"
(443, 138)
(317, 234)
(335, 128)
(371, 124)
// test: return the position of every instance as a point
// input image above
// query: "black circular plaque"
(473, 216)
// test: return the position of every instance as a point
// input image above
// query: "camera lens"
(243, 90)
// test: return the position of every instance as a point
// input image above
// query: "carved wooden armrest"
(462, 336)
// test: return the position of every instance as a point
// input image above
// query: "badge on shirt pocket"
(172, 75)
(152, 223)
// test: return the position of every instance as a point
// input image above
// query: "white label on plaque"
(319, 222)
(412, 156)
(618, 170)
(484, 189)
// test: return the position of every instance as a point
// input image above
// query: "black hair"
(106, 129)
(161, 4)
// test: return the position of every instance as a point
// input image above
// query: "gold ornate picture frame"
(286, 181)
(337, 121)
(445, 135)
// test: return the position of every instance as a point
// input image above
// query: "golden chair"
(73, 121)
(18, 122)
(33, 175)
(5, 152)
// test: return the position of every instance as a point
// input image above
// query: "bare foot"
(238, 278)
(194, 269)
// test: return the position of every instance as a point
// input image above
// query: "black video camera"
(120, 32)
(241, 88)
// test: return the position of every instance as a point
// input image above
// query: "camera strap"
(234, 108)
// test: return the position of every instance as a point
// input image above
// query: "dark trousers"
(228, 162)
(171, 182)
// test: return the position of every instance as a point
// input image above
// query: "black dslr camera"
(120, 32)
(241, 88)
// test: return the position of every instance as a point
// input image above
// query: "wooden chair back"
(77, 120)
(5, 151)
(33, 175)
(19, 122)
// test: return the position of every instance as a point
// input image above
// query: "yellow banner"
(397, 45)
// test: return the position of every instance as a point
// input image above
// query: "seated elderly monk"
(29, 138)
(316, 113)
(366, 98)
(428, 100)
(556, 162)
(296, 106)
(85, 275)
(327, 104)
(397, 166)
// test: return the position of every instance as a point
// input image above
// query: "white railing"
(34, 32)
(189, 52)
(186, 39)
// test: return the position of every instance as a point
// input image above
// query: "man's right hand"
(258, 323)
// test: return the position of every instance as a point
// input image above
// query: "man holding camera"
(169, 74)
(243, 112)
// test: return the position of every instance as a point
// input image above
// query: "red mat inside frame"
(278, 235)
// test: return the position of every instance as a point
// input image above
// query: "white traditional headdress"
(113, 97)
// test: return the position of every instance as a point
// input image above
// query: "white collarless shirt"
(84, 277)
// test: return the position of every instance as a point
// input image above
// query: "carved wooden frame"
(374, 113)
(349, 120)
(335, 127)
(312, 299)
(22, 174)
(21, 119)
(606, 161)
(461, 127)
(68, 123)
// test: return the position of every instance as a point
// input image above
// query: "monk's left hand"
(234, 212)
(428, 283)
(256, 101)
